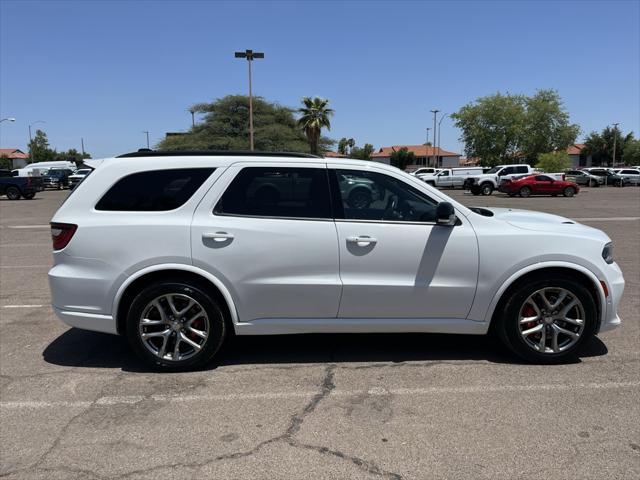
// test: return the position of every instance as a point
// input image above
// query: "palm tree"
(314, 115)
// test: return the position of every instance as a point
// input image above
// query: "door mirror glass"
(445, 214)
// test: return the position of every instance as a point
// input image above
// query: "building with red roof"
(18, 158)
(425, 155)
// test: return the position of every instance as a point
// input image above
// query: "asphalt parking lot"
(79, 405)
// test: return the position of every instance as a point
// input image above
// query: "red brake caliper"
(528, 311)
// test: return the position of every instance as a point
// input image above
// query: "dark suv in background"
(57, 178)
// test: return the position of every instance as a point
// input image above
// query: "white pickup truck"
(451, 177)
(486, 183)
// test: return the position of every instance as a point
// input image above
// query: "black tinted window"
(278, 192)
(154, 191)
(375, 196)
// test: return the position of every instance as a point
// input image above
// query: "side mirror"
(445, 214)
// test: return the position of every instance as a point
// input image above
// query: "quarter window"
(366, 195)
(277, 192)
(154, 191)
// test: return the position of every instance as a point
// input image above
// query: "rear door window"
(283, 192)
(154, 191)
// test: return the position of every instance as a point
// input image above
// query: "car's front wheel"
(175, 326)
(486, 188)
(548, 319)
(525, 192)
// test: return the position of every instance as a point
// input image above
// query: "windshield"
(494, 170)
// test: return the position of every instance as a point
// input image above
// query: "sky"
(108, 71)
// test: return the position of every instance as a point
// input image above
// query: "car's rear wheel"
(548, 319)
(525, 192)
(13, 193)
(486, 188)
(569, 192)
(175, 326)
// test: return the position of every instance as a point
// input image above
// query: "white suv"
(177, 251)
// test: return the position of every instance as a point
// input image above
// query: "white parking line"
(26, 266)
(376, 391)
(26, 226)
(608, 219)
(24, 306)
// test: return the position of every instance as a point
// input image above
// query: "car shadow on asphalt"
(79, 348)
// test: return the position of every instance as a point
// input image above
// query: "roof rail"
(143, 152)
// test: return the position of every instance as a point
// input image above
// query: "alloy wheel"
(174, 327)
(551, 320)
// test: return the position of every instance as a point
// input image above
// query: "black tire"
(525, 192)
(507, 325)
(210, 346)
(359, 199)
(486, 189)
(13, 193)
(569, 192)
(29, 196)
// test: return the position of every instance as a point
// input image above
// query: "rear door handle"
(217, 236)
(362, 240)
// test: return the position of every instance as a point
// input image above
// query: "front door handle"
(217, 236)
(362, 240)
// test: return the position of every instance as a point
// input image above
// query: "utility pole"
(250, 55)
(615, 137)
(144, 131)
(193, 118)
(82, 143)
(440, 129)
(435, 158)
(426, 146)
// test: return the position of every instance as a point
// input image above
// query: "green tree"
(554, 162)
(72, 155)
(502, 128)
(5, 162)
(363, 153)
(314, 115)
(547, 127)
(39, 148)
(492, 127)
(631, 153)
(401, 158)
(225, 126)
(600, 146)
(342, 146)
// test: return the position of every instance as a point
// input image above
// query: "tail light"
(61, 234)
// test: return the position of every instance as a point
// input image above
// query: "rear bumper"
(87, 321)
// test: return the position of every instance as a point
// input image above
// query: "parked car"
(16, 187)
(631, 176)
(582, 177)
(56, 178)
(425, 171)
(451, 177)
(77, 177)
(608, 176)
(487, 182)
(176, 251)
(538, 185)
(39, 167)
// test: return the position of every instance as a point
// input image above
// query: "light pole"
(31, 140)
(440, 129)
(250, 55)
(615, 137)
(435, 114)
(426, 145)
(8, 119)
(193, 118)
(147, 133)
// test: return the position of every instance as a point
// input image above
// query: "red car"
(538, 185)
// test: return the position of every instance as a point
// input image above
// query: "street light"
(144, 131)
(193, 118)
(615, 137)
(250, 55)
(31, 140)
(426, 145)
(8, 119)
(435, 114)
(440, 129)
